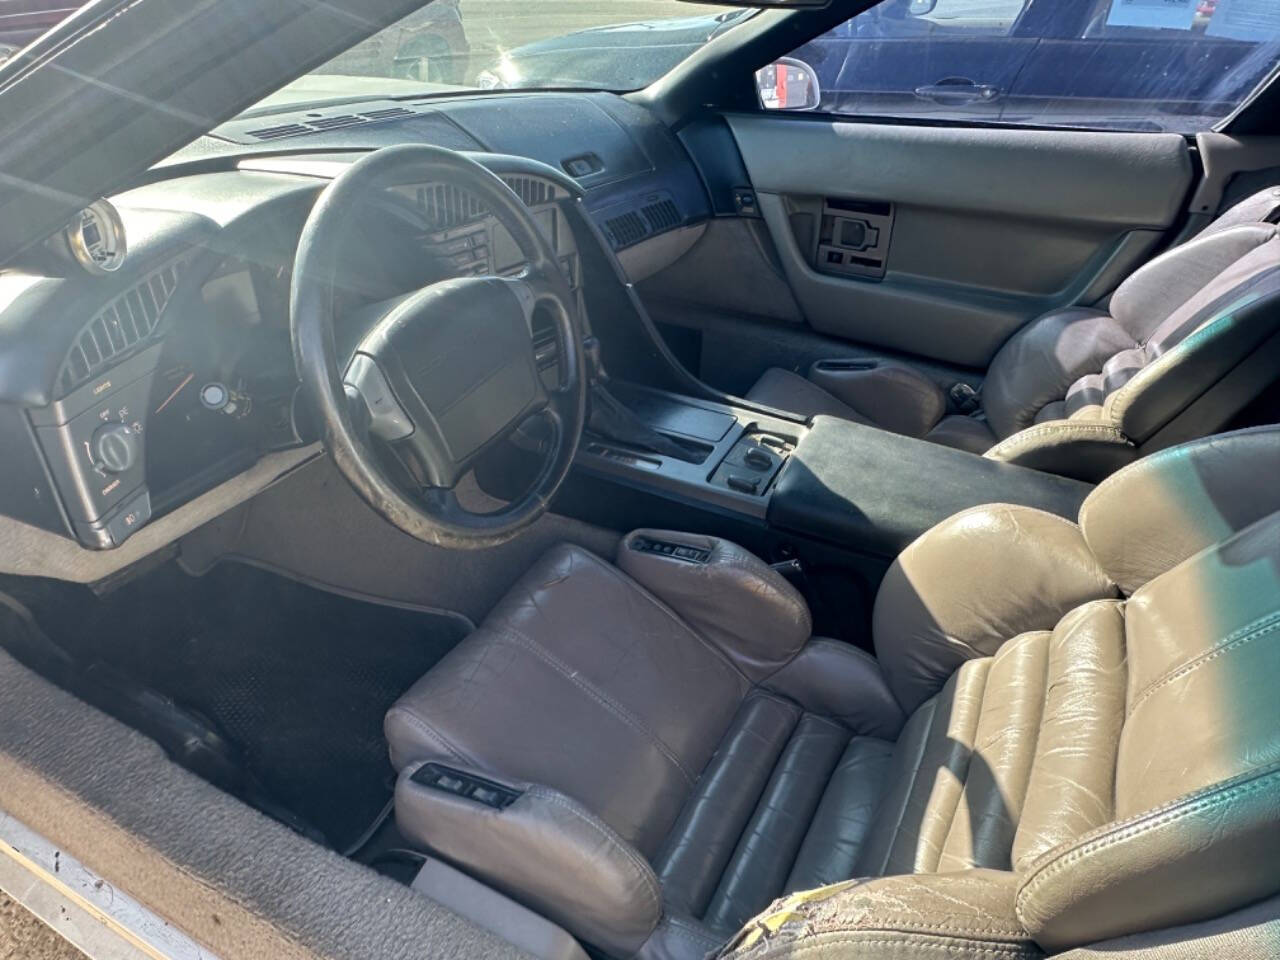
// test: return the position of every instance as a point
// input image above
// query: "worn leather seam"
(1022, 441)
(911, 786)
(1010, 507)
(878, 939)
(643, 870)
(532, 646)
(968, 764)
(425, 727)
(1244, 785)
(634, 586)
(1039, 731)
(690, 934)
(1230, 643)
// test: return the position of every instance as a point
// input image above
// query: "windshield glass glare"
(517, 44)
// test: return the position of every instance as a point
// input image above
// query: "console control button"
(677, 551)
(130, 518)
(436, 776)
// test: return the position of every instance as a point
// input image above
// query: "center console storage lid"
(874, 492)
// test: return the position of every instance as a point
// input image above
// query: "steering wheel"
(441, 375)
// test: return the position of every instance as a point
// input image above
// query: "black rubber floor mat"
(297, 678)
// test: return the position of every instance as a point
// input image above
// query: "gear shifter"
(610, 419)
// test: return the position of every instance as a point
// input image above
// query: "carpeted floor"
(23, 936)
(295, 679)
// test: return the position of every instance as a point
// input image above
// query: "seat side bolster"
(1079, 449)
(545, 849)
(893, 396)
(967, 913)
(972, 583)
(784, 390)
(835, 679)
(1149, 871)
(1043, 359)
(733, 599)
(1186, 368)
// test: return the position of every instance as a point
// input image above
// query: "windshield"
(516, 44)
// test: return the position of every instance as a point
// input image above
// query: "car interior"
(657, 524)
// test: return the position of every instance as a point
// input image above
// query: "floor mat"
(297, 678)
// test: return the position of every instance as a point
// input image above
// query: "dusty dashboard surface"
(127, 395)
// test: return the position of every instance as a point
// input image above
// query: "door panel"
(989, 227)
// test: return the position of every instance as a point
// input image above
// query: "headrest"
(1154, 514)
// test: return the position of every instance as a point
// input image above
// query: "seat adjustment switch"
(470, 787)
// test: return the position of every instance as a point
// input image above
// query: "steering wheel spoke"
(443, 373)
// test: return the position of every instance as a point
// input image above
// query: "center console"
(859, 488)
(733, 457)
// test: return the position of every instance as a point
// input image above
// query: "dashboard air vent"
(532, 192)
(314, 122)
(446, 207)
(626, 229)
(280, 132)
(390, 113)
(662, 216)
(127, 321)
(333, 123)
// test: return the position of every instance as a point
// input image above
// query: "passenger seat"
(1081, 391)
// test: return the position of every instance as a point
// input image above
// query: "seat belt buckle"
(964, 399)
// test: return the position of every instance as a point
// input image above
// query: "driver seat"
(1070, 733)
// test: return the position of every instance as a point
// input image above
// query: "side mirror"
(788, 84)
(920, 8)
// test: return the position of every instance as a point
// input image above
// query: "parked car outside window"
(1147, 65)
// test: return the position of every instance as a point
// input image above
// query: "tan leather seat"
(1071, 733)
(1081, 391)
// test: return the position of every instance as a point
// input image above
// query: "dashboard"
(136, 390)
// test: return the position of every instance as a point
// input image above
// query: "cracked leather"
(971, 583)
(963, 914)
(1074, 765)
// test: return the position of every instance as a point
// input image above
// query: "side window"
(972, 17)
(1175, 65)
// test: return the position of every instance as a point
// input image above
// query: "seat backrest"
(1195, 825)
(1175, 328)
(1105, 723)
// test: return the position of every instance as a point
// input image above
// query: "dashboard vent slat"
(121, 325)
(389, 113)
(89, 346)
(334, 123)
(662, 216)
(531, 192)
(626, 229)
(115, 332)
(280, 132)
(77, 364)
